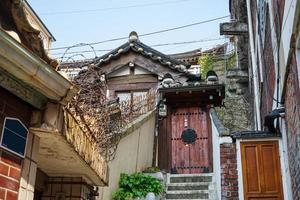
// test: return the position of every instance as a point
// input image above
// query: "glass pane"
(13, 142)
(15, 126)
(139, 94)
(123, 96)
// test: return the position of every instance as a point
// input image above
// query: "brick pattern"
(70, 188)
(10, 165)
(267, 91)
(10, 170)
(12, 106)
(292, 101)
(229, 174)
(278, 10)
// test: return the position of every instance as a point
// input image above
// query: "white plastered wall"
(216, 157)
(217, 141)
(134, 154)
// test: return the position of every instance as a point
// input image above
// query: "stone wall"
(229, 174)
(292, 105)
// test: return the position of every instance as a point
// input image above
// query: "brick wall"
(292, 105)
(10, 171)
(229, 174)
(68, 187)
(10, 165)
(268, 72)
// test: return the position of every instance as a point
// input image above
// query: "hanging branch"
(105, 120)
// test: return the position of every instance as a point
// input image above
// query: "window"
(130, 95)
(14, 136)
(123, 96)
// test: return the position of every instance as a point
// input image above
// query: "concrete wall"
(134, 153)
(224, 160)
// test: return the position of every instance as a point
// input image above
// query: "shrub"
(136, 185)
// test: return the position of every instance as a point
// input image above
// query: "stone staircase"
(190, 186)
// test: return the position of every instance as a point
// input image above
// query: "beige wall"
(29, 168)
(134, 153)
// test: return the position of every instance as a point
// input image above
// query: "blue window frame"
(14, 136)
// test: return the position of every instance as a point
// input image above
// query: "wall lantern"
(14, 136)
(162, 109)
(189, 136)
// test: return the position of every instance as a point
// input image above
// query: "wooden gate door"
(192, 158)
(261, 171)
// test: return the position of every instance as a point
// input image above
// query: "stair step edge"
(190, 184)
(187, 192)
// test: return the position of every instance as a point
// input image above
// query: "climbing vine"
(205, 63)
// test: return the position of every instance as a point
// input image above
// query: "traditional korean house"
(134, 68)
(183, 140)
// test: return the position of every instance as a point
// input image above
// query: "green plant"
(136, 185)
(232, 61)
(206, 63)
(151, 170)
(121, 194)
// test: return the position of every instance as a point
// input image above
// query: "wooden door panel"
(193, 158)
(270, 176)
(261, 170)
(252, 171)
(264, 198)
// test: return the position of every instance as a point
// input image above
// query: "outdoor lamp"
(162, 109)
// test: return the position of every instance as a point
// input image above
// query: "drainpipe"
(270, 118)
(254, 67)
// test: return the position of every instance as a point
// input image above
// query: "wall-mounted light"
(162, 109)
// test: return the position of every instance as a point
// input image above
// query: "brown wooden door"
(261, 171)
(193, 158)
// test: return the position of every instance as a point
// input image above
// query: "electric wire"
(155, 45)
(142, 35)
(113, 8)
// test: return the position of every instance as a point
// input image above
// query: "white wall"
(134, 153)
(120, 72)
(140, 70)
(216, 157)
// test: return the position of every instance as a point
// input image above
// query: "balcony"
(233, 28)
(66, 150)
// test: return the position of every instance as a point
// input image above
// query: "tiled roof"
(135, 45)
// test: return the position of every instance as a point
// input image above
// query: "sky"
(85, 21)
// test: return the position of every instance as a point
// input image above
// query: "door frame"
(164, 127)
(286, 189)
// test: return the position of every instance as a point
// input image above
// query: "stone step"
(192, 194)
(188, 186)
(188, 178)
